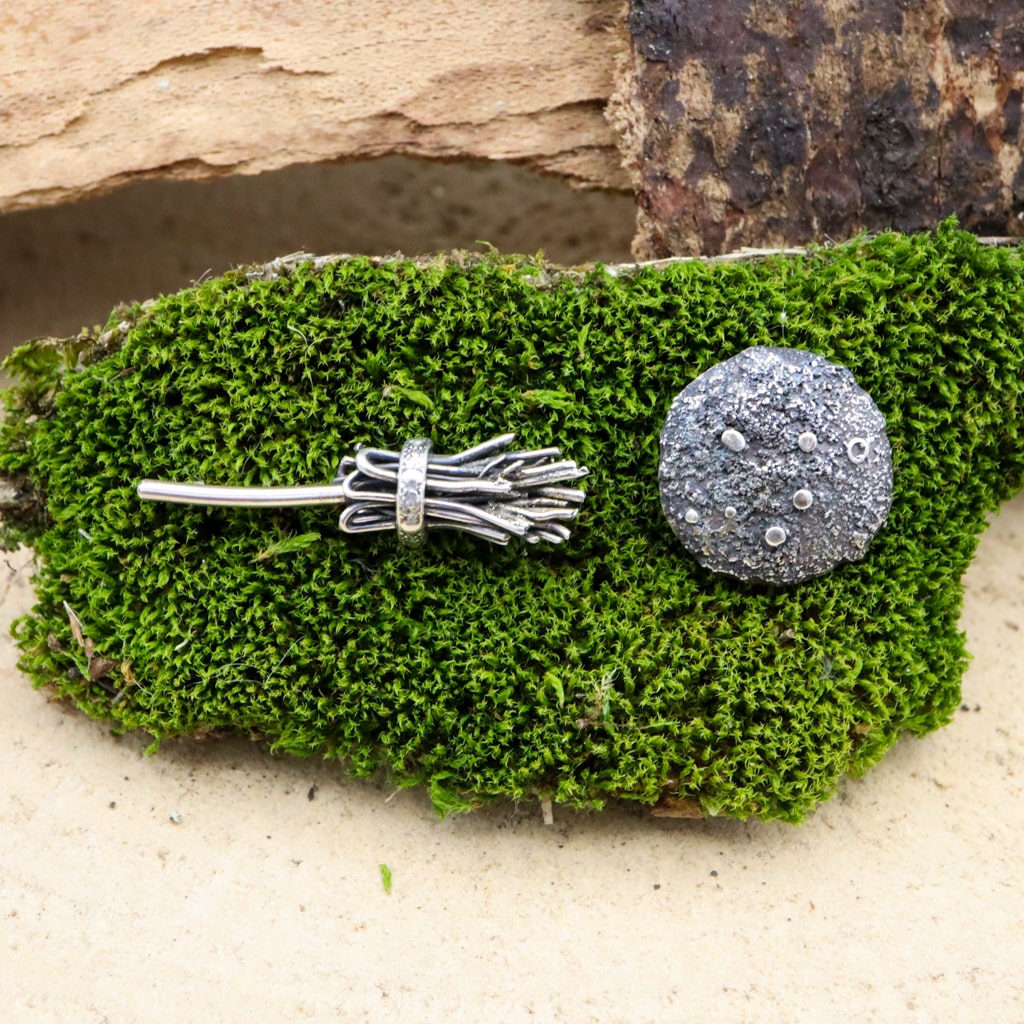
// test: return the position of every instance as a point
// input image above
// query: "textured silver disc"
(808, 488)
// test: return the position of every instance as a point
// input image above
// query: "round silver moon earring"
(775, 466)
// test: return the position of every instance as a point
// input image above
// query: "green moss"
(612, 667)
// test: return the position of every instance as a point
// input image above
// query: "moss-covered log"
(610, 667)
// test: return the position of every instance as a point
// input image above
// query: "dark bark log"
(760, 122)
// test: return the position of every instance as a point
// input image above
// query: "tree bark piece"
(755, 122)
(94, 93)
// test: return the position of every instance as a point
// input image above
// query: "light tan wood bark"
(97, 92)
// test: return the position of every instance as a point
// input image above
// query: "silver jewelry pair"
(775, 467)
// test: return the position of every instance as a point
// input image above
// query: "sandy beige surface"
(215, 882)
(900, 900)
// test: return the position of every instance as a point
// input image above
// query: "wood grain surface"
(740, 123)
(95, 93)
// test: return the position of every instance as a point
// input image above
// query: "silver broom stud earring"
(486, 491)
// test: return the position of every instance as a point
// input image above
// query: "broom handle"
(263, 497)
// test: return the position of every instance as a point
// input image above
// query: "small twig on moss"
(76, 628)
(99, 666)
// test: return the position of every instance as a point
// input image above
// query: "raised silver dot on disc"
(774, 536)
(803, 499)
(733, 440)
(807, 441)
(692, 516)
(730, 512)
